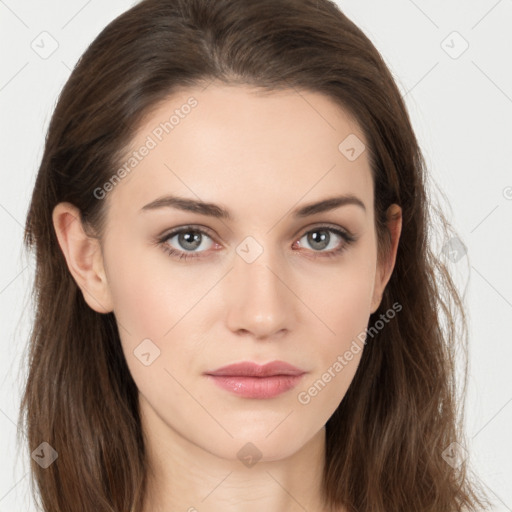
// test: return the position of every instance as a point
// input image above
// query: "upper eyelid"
(173, 232)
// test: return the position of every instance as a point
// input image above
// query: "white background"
(461, 109)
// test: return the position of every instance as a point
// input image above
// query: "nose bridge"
(259, 301)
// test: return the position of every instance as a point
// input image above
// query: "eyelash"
(347, 237)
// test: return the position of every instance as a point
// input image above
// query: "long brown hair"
(386, 440)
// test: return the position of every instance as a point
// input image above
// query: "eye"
(322, 238)
(189, 240)
(192, 242)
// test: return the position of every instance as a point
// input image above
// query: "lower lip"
(257, 387)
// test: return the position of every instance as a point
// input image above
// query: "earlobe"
(83, 257)
(385, 268)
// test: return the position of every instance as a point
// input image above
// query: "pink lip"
(251, 380)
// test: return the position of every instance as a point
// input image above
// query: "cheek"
(345, 309)
(342, 295)
(151, 311)
(138, 300)
(344, 306)
(149, 294)
(156, 301)
(347, 316)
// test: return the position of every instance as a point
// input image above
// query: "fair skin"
(260, 157)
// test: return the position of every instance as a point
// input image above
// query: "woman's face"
(259, 273)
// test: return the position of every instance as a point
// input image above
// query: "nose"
(260, 299)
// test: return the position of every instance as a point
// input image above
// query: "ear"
(83, 256)
(385, 267)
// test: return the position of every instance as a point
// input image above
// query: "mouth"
(250, 380)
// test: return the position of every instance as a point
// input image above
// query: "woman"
(237, 304)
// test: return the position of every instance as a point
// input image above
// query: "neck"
(184, 476)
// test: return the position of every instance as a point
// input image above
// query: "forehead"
(245, 148)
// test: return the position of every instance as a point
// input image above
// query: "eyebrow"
(214, 210)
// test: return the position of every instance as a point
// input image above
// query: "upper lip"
(250, 369)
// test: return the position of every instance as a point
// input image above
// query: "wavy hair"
(385, 441)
